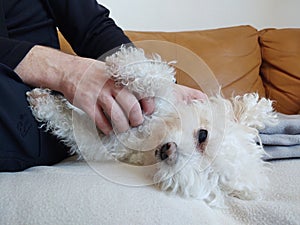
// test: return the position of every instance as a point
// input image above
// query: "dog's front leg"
(142, 75)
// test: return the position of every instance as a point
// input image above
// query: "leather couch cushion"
(281, 67)
(232, 54)
(64, 44)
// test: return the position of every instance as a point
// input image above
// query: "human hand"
(187, 94)
(84, 83)
(110, 106)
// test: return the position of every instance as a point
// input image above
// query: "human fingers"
(148, 105)
(196, 94)
(187, 93)
(101, 121)
(115, 112)
(130, 105)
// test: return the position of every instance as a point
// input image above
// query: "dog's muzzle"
(167, 153)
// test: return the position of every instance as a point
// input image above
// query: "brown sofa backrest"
(233, 55)
(280, 69)
(241, 58)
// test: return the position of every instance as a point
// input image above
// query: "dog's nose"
(168, 152)
(202, 135)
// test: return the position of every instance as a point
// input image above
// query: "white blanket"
(72, 193)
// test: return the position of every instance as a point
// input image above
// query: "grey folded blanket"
(282, 140)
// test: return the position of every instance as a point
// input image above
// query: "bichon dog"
(202, 149)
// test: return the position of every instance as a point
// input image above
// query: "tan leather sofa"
(242, 58)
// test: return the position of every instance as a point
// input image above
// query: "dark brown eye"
(202, 135)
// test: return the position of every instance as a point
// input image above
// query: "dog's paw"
(37, 96)
(253, 111)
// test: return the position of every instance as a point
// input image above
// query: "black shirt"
(84, 23)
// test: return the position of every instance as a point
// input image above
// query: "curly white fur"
(228, 163)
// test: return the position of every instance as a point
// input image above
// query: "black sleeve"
(87, 26)
(13, 51)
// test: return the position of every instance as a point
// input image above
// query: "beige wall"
(202, 14)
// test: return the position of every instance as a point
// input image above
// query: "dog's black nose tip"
(168, 151)
(202, 135)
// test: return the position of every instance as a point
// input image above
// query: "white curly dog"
(202, 149)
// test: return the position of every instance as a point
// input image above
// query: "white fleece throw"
(71, 193)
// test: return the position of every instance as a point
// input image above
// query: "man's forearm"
(51, 68)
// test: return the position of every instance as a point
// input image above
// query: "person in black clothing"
(29, 58)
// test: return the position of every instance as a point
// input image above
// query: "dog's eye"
(202, 135)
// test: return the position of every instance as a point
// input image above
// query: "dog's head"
(183, 156)
(206, 151)
(200, 149)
